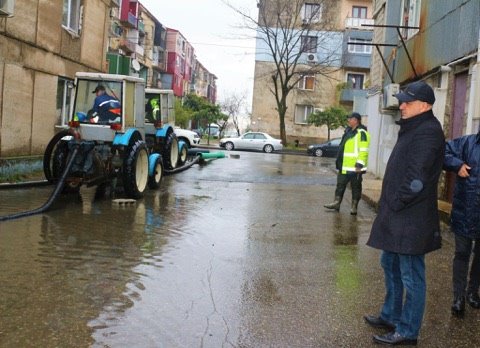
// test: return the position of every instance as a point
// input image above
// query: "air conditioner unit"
(6, 8)
(311, 58)
(389, 101)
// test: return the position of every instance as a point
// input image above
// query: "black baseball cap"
(98, 88)
(355, 115)
(418, 90)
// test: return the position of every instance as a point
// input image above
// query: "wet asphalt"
(237, 252)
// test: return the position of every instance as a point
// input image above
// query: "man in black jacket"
(407, 225)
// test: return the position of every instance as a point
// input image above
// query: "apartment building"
(42, 45)
(331, 54)
(434, 41)
(38, 61)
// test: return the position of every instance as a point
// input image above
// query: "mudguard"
(162, 132)
(124, 139)
(181, 145)
(151, 162)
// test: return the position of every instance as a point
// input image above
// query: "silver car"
(252, 141)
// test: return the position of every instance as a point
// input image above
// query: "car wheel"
(135, 170)
(268, 148)
(318, 152)
(229, 146)
(156, 178)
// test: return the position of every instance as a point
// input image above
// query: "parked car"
(327, 149)
(252, 141)
(191, 138)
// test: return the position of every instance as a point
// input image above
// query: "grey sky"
(215, 31)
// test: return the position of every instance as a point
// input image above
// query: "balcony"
(141, 27)
(129, 19)
(127, 45)
(348, 95)
(356, 23)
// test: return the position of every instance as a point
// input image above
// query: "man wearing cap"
(351, 162)
(407, 224)
(106, 107)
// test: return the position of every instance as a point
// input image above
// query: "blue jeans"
(404, 272)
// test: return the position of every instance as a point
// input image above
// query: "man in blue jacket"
(106, 107)
(462, 156)
(407, 224)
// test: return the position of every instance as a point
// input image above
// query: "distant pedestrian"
(407, 224)
(462, 156)
(351, 163)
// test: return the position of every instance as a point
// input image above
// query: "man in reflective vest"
(352, 160)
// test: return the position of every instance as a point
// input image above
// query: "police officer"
(351, 162)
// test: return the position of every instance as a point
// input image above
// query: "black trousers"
(355, 180)
(464, 247)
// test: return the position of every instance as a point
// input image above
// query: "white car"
(252, 141)
(189, 137)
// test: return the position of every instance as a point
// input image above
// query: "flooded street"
(238, 252)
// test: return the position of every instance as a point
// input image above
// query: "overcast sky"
(215, 31)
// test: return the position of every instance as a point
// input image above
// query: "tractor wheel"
(48, 155)
(156, 178)
(170, 151)
(135, 169)
(183, 154)
(59, 163)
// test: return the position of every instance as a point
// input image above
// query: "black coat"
(465, 216)
(407, 221)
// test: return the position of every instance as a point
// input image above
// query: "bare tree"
(299, 39)
(231, 106)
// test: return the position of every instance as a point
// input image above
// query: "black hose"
(53, 196)
(185, 166)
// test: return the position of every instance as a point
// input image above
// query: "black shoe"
(458, 306)
(473, 300)
(394, 339)
(378, 322)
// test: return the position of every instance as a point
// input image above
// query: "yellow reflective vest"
(355, 150)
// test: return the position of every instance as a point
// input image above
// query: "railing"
(356, 23)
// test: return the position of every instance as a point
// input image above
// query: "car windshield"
(335, 141)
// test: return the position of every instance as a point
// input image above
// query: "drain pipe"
(53, 196)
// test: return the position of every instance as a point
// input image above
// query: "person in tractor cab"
(152, 109)
(106, 109)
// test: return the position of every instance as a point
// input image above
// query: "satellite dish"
(135, 65)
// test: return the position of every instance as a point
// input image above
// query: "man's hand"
(463, 171)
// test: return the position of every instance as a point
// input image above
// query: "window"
(355, 81)
(312, 12)
(249, 136)
(410, 17)
(302, 112)
(260, 136)
(63, 100)
(309, 44)
(367, 49)
(71, 15)
(359, 12)
(307, 82)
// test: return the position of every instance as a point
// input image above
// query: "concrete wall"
(34, 51)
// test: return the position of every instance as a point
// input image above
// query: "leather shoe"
(394, 339)
(378, 322)
(473, 300)
(458, 306)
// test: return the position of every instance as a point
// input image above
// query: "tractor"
(110, 150)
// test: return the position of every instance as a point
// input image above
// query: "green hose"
(211, 155)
